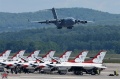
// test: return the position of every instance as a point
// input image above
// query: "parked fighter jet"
(64, 58)
(43, 67)
(10, 63)
(68, 22)
(30, 65)
(31, 57)
(92, 67)
(18, 55)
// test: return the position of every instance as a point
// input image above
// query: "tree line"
(81, 37)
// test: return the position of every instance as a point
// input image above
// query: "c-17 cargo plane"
(65, 22)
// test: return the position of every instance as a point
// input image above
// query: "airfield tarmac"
(104, 74)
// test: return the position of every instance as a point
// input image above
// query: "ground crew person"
(116, 73)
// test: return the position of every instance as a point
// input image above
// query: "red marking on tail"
(15, 54)
(63, 54)
(47, 54)
(3, 53)
(91, 61)
(30, 54)
(76, 57)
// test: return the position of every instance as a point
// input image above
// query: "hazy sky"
(16, 6)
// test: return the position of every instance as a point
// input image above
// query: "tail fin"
(18, 55)
(80, 57)
(5, 54)
(33, 55)
(54, 13)
(65, 56)
(98, 58)
(48, 56)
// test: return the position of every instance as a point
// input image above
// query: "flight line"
(49, 64)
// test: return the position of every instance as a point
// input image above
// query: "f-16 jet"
(68, 22)
(93, 66)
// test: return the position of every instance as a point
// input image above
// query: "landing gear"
(95, 71)
(78, 72)
(62, 72)
(92, 72)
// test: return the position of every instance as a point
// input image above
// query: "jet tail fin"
(63, 58)
(5, 54)
(48, 56)
(18, 55)
(80, 57)
(33, 55)
(54, 13)
(98, 58)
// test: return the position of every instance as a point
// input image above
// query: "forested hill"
(104, 34)
(19, 21)
(92, 38)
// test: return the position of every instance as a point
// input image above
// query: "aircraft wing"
(45, 21)
(83, 21)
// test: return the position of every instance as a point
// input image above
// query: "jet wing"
(45, 21)
(83, 21)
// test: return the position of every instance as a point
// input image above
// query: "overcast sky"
(18, 6)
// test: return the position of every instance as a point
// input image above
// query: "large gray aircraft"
(65, 22)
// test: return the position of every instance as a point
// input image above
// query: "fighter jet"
(93, 66)
(68, 22)
(11, 63)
